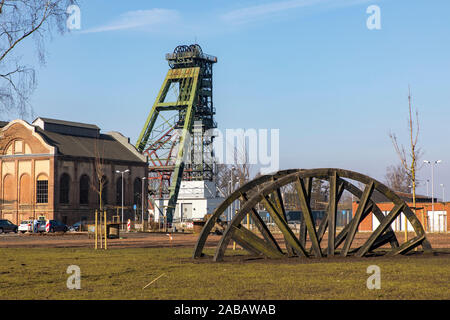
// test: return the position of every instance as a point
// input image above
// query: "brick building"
(51, 168)
(432, 221)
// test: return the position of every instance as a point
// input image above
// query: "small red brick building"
(432, 221)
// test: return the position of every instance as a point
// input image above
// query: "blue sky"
(311, 68)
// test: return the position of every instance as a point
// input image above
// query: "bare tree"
(19, 21)
(222, 176)
(319, 194)
(236, 174)
(398, 179)
(290, 197)
(99, 182)
(409, 159)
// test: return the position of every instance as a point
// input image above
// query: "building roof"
(407, 197)
(68, 123)
(104, 146)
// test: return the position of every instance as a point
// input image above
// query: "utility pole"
(142, 208)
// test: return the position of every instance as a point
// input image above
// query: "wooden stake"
(100, 229)
(248, 221)
(95, 231)
(106, 233)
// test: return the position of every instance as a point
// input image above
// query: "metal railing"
(190, 54)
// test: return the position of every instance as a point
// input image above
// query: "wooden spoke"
(245, 245)
(265, 232)
(332, 212)
(324, 223)
(302, 236)
(380, 216)
(408, 246)
(382, 240)
(343, 234)
(252, 243)
(308, 217)
(284, 228)
(354, 223)
(279, 204)
(386, 222)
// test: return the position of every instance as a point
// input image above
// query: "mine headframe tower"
(175, 136)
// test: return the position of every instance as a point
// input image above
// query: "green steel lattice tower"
(175, 136)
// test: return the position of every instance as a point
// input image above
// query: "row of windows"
(25, 183)
(85, 189)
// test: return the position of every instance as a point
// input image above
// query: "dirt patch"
(160, 240)
(80, 239)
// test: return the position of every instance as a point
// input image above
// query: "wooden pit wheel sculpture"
(267, 191)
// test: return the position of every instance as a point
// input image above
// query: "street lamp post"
(432, 181)
(230, 208)
(142, 209)
(122, 172)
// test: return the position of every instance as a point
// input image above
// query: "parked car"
(41, 225)
(57, 226)
(26, 226)
(77, 226)
(7, 226)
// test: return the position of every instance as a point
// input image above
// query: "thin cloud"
(248, 14)
(139, 19)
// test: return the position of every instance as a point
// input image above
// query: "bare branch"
(395, 176)
(21, 20)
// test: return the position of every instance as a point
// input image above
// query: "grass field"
(122, 273)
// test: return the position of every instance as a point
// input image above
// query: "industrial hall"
(65, 170)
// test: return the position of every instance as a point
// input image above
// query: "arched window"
(18, 147)
(84, 189)
(137, 190)
(64, 188)
(8, 189)
(42, 189)
(25, 189)
(9, 149)
(119, 191)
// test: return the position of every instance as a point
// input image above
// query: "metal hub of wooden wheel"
(266, 190)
